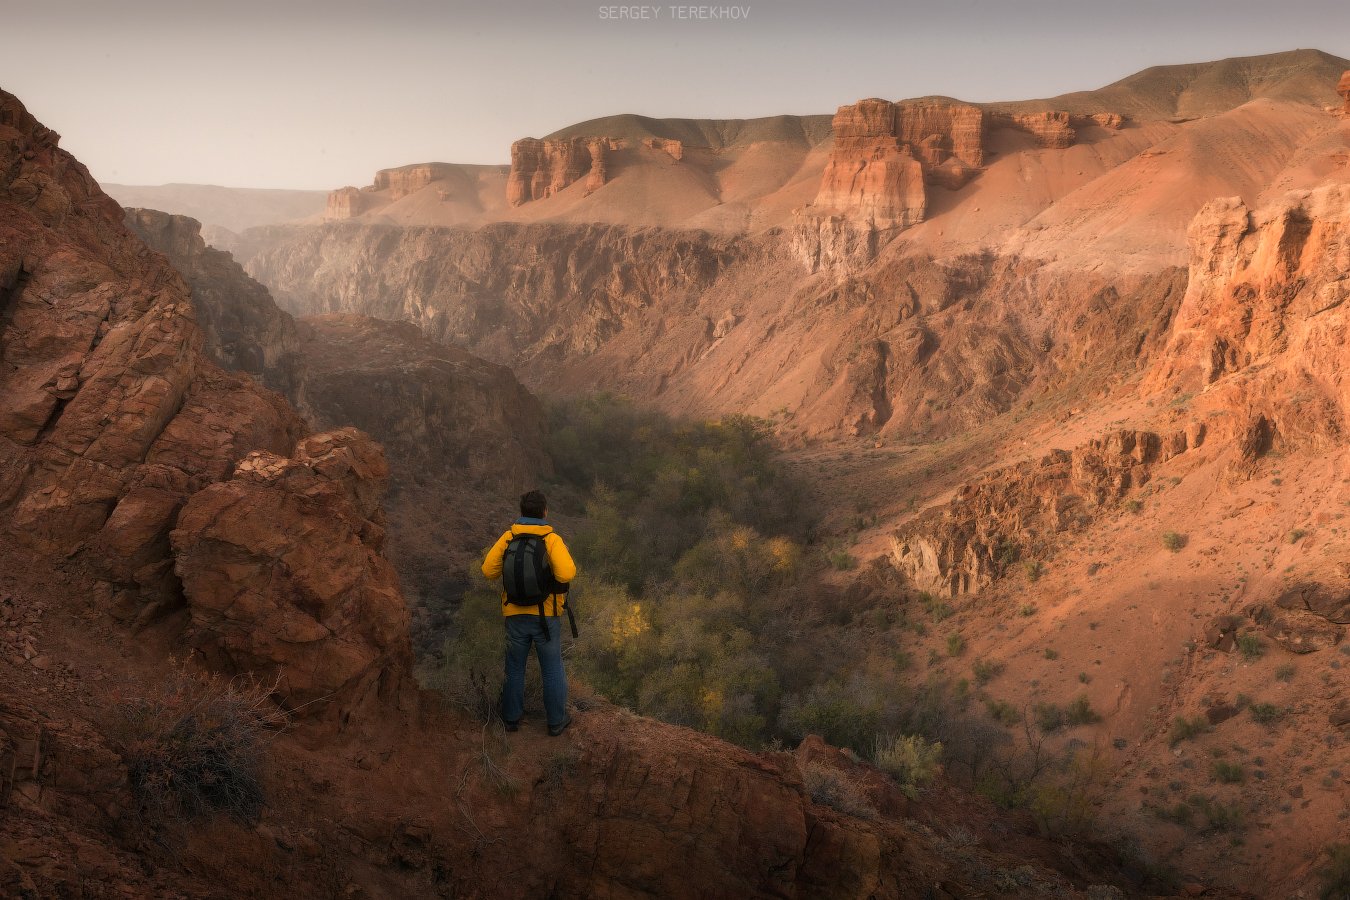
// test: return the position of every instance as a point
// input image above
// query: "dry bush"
(830, 787)
(195, 747)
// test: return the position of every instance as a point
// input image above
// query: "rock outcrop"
(1013, 513)
(407, 180)
(542, 168)
(346, 203)
(669, 146)
(1343, 88)
(284, 576)
(116, 429)
(244, 330)
(109, 414)
(1265, 320)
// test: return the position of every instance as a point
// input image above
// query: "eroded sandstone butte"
(1343, 88)
(542, 168)
(885, 156)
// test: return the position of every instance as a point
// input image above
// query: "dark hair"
(533, 504)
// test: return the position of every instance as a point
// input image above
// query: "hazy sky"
(321, 93)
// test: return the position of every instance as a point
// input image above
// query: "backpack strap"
(571, 619)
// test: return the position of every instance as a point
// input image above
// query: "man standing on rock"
(535, 568)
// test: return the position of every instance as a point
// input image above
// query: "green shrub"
(910, 759)
(1027, 611)
(1003, 712)
(843, 561)
(842, 715)
(1265, 713)
(1052, 717)
(936, 607)
(1080, 712)
(956, 645)
(1229, 773)
(1220, 816)
(1285, 673)
(1134, 505)
(1051, 653)
(828, 786)
(1034, 569)
(1184, 729)
(1250, 646)
(1173, 541)
(1297, 535)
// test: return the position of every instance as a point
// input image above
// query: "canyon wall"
(702, 324)
(1343, 88)
(242, 328)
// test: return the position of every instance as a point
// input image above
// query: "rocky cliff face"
(1264, 321)
(408, 180)
(542, 168)
(885, 157)
(111, 418)
(916, 346)
(1343, 88)
(1015, 513)
(242, 327)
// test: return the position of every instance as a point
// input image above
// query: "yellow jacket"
(559, 559)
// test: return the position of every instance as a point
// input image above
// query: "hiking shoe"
(511, 726)
(555, 730)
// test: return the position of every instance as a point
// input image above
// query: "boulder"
(1221, 632)
(283, 573)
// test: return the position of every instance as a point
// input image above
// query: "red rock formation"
(407, 180)
(283, 572)
(883, 154)
(667, 145)
(346, 203)
(542, 168)
(242, 326)
(1112, 121)
(993, 521)
(1050, 129)
(1265, 319)
(102, 372)
(1343, 88)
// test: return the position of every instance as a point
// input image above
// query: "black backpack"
(527, 577)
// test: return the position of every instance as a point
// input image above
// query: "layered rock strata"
(542, 168)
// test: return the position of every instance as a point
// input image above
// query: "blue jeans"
(521, 632)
